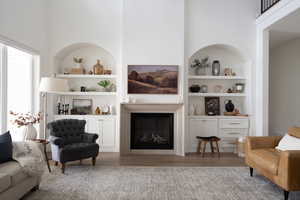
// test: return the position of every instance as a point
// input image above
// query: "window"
(17, 80)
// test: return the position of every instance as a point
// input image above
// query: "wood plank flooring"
(190, 160)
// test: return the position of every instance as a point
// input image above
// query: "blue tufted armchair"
(69, 142)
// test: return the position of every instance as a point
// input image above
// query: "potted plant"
(106, 84)
(26, 120)
(78, 61)
(200, 66)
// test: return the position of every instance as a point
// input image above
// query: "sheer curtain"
(19, 86)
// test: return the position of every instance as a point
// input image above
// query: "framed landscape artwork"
(152, 79)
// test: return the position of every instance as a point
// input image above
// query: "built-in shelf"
(216, 117)
(217, 77)
(98, 116)
(86, 76)
(217, 94)
(86, 93)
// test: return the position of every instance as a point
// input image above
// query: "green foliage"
(104, 83)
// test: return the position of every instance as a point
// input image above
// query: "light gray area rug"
(156, 183)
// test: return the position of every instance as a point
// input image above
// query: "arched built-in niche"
(229, 56)
(90, 53)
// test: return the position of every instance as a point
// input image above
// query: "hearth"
(152, 131)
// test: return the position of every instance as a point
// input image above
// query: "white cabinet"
(228, 129)
(201, 127)
(104, 126)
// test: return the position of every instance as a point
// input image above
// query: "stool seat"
(211, 140)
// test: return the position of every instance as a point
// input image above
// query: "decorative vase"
(29, 132)
(195, 88)
(200, 71)
(192, 110)
(98, 69)
(78, 65)
(216, 68)
(229, 106)
(203, 89)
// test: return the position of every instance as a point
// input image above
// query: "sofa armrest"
(253, 143)
(90, 137)
(56, 141)
(288, 170)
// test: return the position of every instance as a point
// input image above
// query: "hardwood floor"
(191, 160)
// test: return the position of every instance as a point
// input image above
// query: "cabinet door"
(201, 127)
(107, 135)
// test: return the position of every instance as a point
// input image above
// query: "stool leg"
(204, 147)
(212, 147)
(218, 150)
(199, 147)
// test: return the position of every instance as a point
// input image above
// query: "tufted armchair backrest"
(70, 130)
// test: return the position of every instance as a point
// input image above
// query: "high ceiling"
(285, 30)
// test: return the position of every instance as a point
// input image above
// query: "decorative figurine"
(97, 111)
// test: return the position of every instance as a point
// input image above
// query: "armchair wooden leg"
(94, 161)
(63, 167)
(286, 194)
(56, 163)
(251, 171)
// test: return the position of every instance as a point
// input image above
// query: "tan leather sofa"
(281, 167)
(14, 183)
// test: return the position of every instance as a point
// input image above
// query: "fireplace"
(152, 131)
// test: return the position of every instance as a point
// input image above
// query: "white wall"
(284, 108)
(94, 21)
(153, 34)
(25, 23)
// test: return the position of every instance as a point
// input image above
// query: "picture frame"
(82, 106)
(153, 79)
(212, 106)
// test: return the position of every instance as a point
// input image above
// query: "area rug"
(156, 183)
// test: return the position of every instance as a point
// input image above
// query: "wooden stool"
(211, 140)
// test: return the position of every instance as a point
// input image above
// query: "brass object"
(98, 111)
(98, 68)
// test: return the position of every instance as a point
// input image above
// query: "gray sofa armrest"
(56, 141)
(90, 137)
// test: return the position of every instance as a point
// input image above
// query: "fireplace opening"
(152, 131)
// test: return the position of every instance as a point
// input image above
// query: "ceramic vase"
(29, 132)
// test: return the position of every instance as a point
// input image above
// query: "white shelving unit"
(228, 128)
(217, 94)
(106, 126)
(216, 77)
(86, 93)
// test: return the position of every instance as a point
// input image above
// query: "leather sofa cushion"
(294, 131)
(14, 170)
(266, 159)
(5, 182)
(77, 151)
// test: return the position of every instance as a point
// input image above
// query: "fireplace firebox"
(152, 131)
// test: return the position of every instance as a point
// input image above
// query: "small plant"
(77, 59)
(24, 119)
(105, 84)
(200, 64)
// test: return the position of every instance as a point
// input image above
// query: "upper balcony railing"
(267, 4)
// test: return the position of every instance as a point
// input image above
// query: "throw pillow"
(5, 147)
(289, 143)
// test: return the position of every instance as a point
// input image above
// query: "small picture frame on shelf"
(212, 106)
(82, 107)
